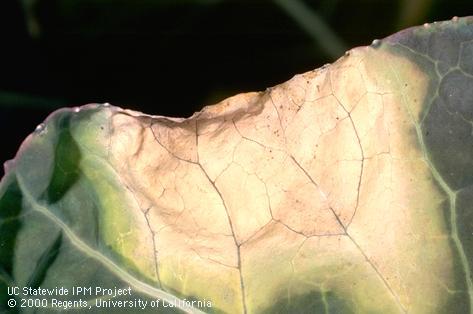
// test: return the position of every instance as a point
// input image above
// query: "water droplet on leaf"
(376, 43)
(40, 129)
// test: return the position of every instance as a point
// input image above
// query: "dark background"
(171, 57)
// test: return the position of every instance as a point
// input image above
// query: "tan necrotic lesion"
(320, 180)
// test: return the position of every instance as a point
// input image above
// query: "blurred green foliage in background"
(172, 57)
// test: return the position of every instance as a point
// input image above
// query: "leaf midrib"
(114, 268)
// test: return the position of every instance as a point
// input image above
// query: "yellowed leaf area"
(317, 184)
